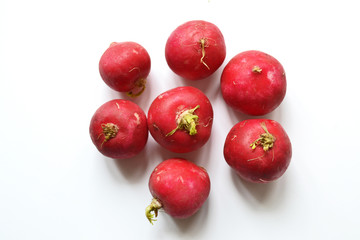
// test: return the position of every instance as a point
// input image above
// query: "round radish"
(181, 119)
(179, 187)
(253, 83)
(195, 49)
(118, 129)
(259, 150)
(124, 67)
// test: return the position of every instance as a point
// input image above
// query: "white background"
(54, 184)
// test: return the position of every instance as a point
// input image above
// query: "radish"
(195, 49)
(179, 187)
(253, 83)
(124, 67)
(118, 129)
(259, 150)
(180, 119)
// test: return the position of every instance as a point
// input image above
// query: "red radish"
(259, 150)
(195, 49)
(181, 119)
(119, 129)
(124, 67)
(178, 186)
(253, 83)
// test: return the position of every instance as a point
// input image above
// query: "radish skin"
(124, 67)
(179, 187)
(259, 150)
(118, 129)
(180, 119)
(195, 49)
(253, 83)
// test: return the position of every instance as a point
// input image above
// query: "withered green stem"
(202, 44)
(186, 121)
(139, 84)
(154, 206)
(109, 130)
(266, 140)
(256, 69)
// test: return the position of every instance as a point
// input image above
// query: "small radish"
(181, 119)
(124, 67)
(259, 150)
(195, 49)
(179, 187)
(118, 129)
(253, 83)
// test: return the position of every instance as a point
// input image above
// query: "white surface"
(55, 185)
